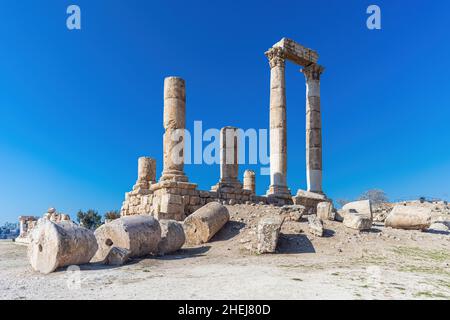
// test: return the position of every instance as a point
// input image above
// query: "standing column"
(229, 166)
(174, 123)
(313, 128)
(278, 137)
(249, 181)
(146, 172)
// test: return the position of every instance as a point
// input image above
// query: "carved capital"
(276, 57)
(313, 71)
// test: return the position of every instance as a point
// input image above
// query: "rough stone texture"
(294, 212)
(297, 53)
(117, 256)
(172, 237)
(309, 199)
(204, 223)
(357, 221)
(268, 231)
(146, 173)
(315, 225)
(249, 181)
(363, 207)
(409, 217)
(325, 211)
(313, 128)
(229, 164)
(138, 234)
(278, 125)
(55, 245)
(174, 125)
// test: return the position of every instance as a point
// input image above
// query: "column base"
(227, 186)
(177, 176)
(281, 192)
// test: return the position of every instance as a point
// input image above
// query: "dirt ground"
(345, 264)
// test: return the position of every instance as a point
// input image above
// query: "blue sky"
(77, 108)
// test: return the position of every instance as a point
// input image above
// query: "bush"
(112, 215)
(89, 219)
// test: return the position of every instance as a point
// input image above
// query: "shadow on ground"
(294, 243)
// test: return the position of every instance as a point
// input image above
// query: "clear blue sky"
(77, 108)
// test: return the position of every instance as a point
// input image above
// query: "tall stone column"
(249, 181)
(313, 128)
(229, 166)
(146, 172)
(174, 124)
(278, 129)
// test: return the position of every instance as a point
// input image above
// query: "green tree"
(112, 215)
(89, 219)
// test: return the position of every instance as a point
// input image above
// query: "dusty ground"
(345, 264)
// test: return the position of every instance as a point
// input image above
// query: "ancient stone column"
(313, 128)
(278, 128)
(229, 167)
(174, 124)
(146, 172)
(249, 180)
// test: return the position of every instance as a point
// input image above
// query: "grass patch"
(423, 254)
(425, 269)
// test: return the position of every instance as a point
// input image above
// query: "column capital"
(313, 71)
(276, 56)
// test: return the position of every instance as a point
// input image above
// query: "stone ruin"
(28, 223)
(174, 197)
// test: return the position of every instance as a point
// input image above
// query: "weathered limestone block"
(204, 223)
(308, 199)
(315, 225)
(249, 181)
(294, 212)
(409, 218)
(55, 245)
(117, 256)
(140, 234)
(363, 207)
(325, 211)
(171, 206)
(267, 233)
(357, 221)
(172, 236)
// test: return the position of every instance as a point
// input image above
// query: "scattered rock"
(117, 256)
(357, 221)
(325, 211)
(362, 207)
(294, 212)
(315, 225)
(204, 223)
(268, 232)
(409, 218)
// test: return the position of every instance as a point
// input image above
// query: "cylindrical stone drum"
(58, 245)
(249, 180)
(139, 234)
(146, 169)
(204, 223)
(172, 236)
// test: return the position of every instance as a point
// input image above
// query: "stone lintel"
(297, 53)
